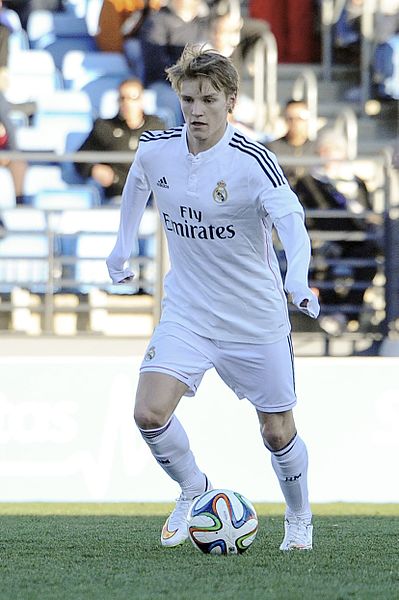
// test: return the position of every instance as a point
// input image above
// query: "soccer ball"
(222, 522)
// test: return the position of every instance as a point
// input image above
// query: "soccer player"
(219, 195)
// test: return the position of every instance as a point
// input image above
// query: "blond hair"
(199, 61)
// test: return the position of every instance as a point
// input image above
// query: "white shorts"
(262, 373)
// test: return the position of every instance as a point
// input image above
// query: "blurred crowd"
(149, 35)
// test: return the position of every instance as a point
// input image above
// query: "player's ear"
(231, 102)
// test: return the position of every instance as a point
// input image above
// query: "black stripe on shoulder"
(263, 155)
(152, 136)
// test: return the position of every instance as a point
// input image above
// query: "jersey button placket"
(192, 187)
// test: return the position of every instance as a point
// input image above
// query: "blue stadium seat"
(59, 47)
(24, 261)
(71, 197)
(73, 141)
(12, 17)
(77, 7)
(18, 40)
(57, 114)
(32, 74)
(80, 68)
(24, 218)
(40, 139)
(43, 177)
(59, 33)
(91, 251)
(69, 110)
(45, 25)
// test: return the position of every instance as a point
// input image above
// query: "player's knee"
(276, 436)
(275, 440)
(277, 429)
(145, 418)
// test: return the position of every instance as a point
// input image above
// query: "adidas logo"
(163, 183)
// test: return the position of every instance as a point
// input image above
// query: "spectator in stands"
(163, 37)
(227, 16)
(119, 134)
(166, 32)
(7, 133)
(5, 31)
(296, 140)
(233, 34)
(385, 64)
(7, 142)
(334, 185)
(24, 7)
(118, 27)
(346, 31)
(225, 38)
(385, 41)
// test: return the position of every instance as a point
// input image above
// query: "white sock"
(291, 467)
(171, 449)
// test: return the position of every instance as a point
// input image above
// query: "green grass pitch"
(112, 552)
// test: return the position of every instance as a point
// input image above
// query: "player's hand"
(306, 301)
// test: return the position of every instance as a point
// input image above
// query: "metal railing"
(57, 282)
(346, 122)
(305, 88)
(57, 277)
(265, 82)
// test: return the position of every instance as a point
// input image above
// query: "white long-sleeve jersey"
(218, 209)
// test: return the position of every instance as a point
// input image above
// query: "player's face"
(205, 112)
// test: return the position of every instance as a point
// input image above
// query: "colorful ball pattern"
(223, 522)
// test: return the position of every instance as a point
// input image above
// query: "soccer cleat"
(175, 530)
(298, 535)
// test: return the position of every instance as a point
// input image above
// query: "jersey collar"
(210, 153)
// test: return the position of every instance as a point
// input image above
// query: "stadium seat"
(60, 46)
(43, 177)
(91, 251)
(92, 15)
(18, 40)
(69, 110)
(95, 220)
(73, 141)
(7, 194)
(45, 25)
(12, 17)
(23, 218)
(32, 74)
(80, 68)
(72, 224)
(77, 7)
(24, 261)
(40, 139)
(18, 118)
(58, 33)
(71, 197)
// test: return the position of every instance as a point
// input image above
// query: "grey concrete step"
(338, 72)
(327, 90)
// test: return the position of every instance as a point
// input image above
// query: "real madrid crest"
(150, 353)
(220, 192)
